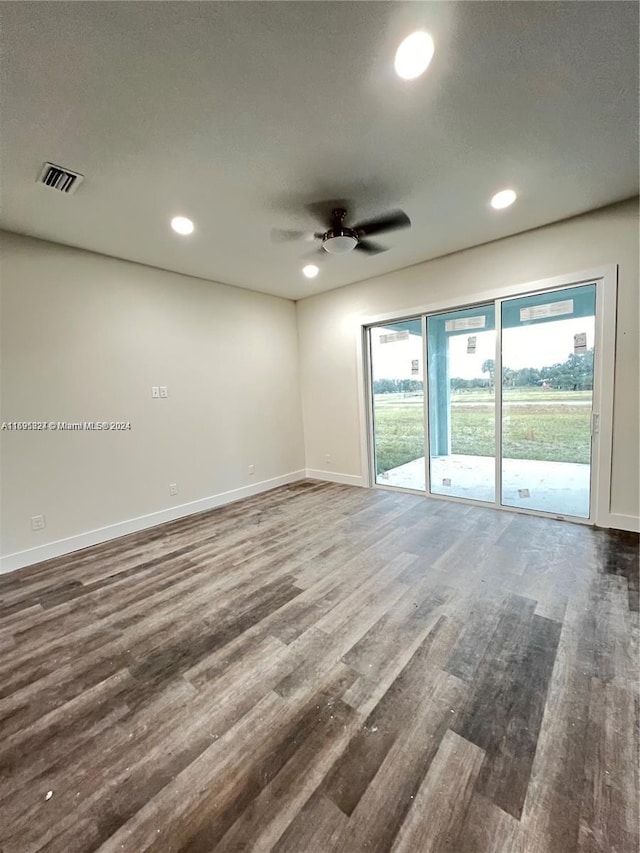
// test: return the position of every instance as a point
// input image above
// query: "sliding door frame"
(367, 384)
(425, 407)
(605, 279)
(497, 402)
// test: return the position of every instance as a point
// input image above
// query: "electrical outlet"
(252, 469)
(327, 458)
(173, 488)
(163, 391)
(37, 522)
(155, 392)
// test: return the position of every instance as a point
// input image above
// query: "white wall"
(327, 331)
(84, 337)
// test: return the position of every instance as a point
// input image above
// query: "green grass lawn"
(550, 428)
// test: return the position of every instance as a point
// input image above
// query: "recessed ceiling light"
(503, 199)
(311, 270)
(182, 225)
(414, 55)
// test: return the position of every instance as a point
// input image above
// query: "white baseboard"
(623, 522)
(19, 559)
(334, 477)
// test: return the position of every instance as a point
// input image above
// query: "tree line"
(396, 386)
(574, 374)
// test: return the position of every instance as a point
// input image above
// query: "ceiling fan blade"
(370, 248)
(282, 235)
(391, 221)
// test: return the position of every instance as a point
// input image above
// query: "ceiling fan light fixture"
(339, 243)
(414, 55)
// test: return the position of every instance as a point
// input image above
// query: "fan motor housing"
(339, 241)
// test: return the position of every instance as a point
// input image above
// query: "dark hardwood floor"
(325, 668)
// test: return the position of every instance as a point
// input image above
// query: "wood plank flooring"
(324, 668)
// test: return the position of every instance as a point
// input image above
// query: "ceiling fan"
(339, 239)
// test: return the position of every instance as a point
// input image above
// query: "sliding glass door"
(509, 402)
(547, 396)
(397, 357)
(462, 438)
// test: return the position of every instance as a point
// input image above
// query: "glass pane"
(398, 404)
(461, 359)
(547, 389)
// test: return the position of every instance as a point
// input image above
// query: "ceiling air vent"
(58, 178)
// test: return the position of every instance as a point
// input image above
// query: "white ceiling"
(238, 114)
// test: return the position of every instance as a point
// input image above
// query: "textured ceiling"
(238, 114)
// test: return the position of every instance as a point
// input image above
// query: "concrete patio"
(561, 488)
